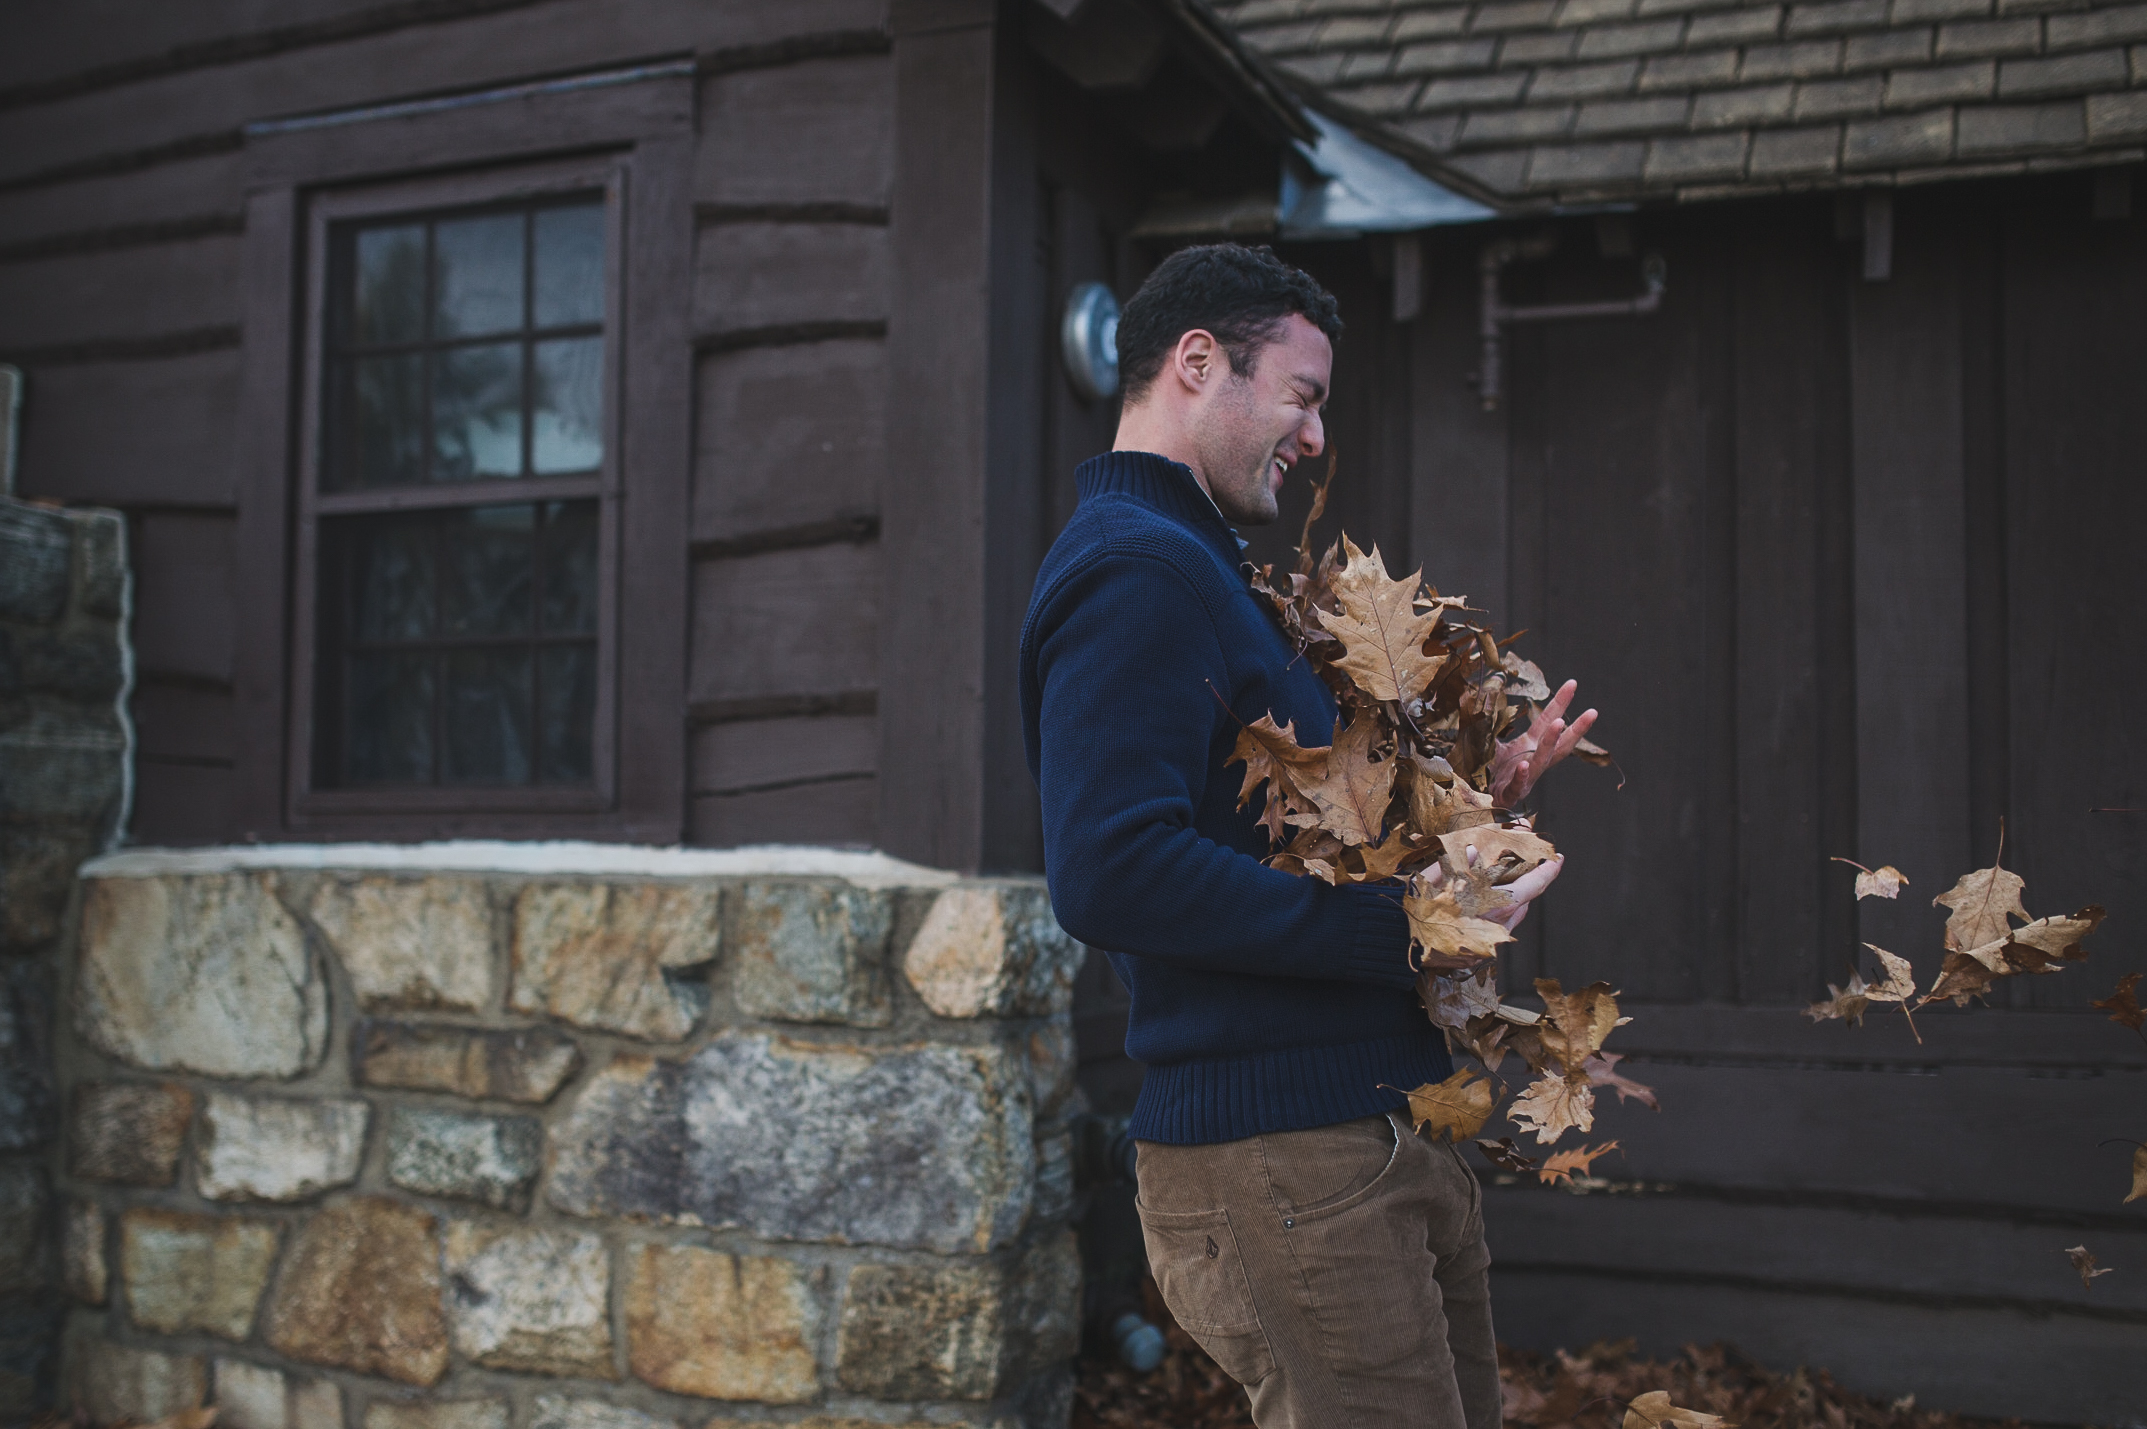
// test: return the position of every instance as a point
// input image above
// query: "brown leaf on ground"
(1885, 881)
(1654, 1410)
(2083, 1260)
(1601, 1069)
(1552, 1106)
(1447, 938)
(1381, 633)
(2123, 1005)
(1565, 1165)
(1506, 1155)
(1456, 1108)
(2139, 1175)
(1981, 902)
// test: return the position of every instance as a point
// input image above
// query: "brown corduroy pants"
(1339, 1274)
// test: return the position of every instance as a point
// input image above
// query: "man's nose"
(1312, 436)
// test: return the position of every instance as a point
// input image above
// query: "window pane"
(477, 412)
(389, 304)
(568, 431)
(478, 275)
(486, 556)
(570, 568)
(487, 717)
(388, 398)
(389, 724)
(393, 581)
(570, 265)
(566, 717)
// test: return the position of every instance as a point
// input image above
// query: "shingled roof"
(1579, 101)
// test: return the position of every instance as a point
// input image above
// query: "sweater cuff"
(1376, 930)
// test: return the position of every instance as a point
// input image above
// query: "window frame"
(427, 198)
(628, 133)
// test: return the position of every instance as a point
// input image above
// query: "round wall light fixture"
(1088, 341)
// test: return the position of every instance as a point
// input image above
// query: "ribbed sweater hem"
(1198, 1103)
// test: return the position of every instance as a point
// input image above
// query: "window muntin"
(457, 643)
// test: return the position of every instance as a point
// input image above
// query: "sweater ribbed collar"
(1169, 486)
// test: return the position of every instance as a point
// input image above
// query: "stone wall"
(585, 1139)
(63, 773)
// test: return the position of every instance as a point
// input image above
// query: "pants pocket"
(1197, 1265)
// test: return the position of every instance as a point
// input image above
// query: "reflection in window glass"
(389, 302)
(570, 266)
(477, 275)
(568, 396)
(477, 412)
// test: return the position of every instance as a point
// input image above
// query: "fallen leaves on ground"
(2083, 1260)
(1596, 1389)
(1654, 1410)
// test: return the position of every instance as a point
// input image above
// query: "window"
(457, 644)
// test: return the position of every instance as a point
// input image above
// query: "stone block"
(436, 1414)
(26, 1227)
(527, 1065)
(530, 1299)
(1054, 1059)
(82, 1264)
(2002, 129)
(1943, 84)
(918, 1146)
(2116, 116)
(77, 665)
(1973, 38)
(1739, 26)
(1795, 151)
(555, 1411)
(27, 1100)
(1578, 165)
(185, 1272)
(250, 1396)
(1631, 116)
(112, 1382)
(37, 875)
(203, 973)
(2100, 26)
(812, 952)
(1911, 139)
(993, 950)
(604, 955)
(1584, 81)
(963, 1330)
(360, 1289)
(1054, 1179)
(1700, 156)
(278, 1148)
(722, 1326)
(101, 562)
(493, 1160)
(1756, 104)
(129, 1132)
(36, 546)
(410, 942)
(1610, 42)
(63, 770)
(1804, 59)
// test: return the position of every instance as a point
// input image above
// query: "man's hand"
(1521, 761)
(1523, 890)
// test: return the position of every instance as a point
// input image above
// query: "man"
(1330, 1261)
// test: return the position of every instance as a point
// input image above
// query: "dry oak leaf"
(1575, 1024)
(1492, 843)
(1382, 635)
(1552, 1106)
(1846, 1003)
(1885, 881)
(1506, 1156)
(1448, 938)
(1654, 1410)
(1435, 808)
(1272, 755)
(1980, 903)
(1477, 893)
(1350, 793)
(2040, 946)
(1900, 984)
(2123, 1005)
(1602, 1072)
(1456, 1000)
(2139, 1175)
(1456, 1108)
(1565, 1165)
(2083, 1260)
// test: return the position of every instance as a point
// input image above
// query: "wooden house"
(641, 419)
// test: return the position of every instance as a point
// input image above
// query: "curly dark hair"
(1242, 295)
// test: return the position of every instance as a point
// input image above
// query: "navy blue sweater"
(1261, 1001)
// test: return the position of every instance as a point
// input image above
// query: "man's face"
(1253, 429)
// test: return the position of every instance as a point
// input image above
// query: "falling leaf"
(1506, 1155)
(1524, 678)
(1885, 881)
(2123, 1005)
(1553, 1106)
(2139, 1175)
(1654, 1410)
(1602, 1072)
(1565, 1165)
(1846, 1003)
(1456, 1108)
(1578, 1022)
(1382, 635)
(2043, 944)
(2083, 1260)
(1461, 997)
(1900, 983)
(1980, 903)
(1447, 937)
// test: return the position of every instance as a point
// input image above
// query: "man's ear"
(1194, 360)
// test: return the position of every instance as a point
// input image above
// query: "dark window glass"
(467, 347)
(459, 646)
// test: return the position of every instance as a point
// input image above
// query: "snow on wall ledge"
(368, 1135)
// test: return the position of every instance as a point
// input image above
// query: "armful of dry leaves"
(1402, 795)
